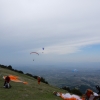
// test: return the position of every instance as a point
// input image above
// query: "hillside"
(30, 91)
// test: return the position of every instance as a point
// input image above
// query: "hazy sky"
(69, 31)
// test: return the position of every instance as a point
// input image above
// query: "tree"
(66, 88)
(76, 91)
(9, 67)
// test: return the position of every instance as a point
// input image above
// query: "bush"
(76, 91)
(73, 91)
(66, 88)
(10, 67)
(43, 80)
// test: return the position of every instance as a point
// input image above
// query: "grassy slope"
(31, 91)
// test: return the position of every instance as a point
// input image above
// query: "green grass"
(31, 91)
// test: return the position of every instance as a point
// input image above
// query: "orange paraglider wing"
(15, 79)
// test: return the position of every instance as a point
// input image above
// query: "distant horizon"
(80, 65)
(71, 66)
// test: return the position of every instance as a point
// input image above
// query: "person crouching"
(6, 83)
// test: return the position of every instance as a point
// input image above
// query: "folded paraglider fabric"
(68, 96)
(15, 79)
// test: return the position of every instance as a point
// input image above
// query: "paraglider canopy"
(15, 79)
(75, 70)
(42, 49)
(34, 52)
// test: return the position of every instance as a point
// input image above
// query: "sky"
(68, 30)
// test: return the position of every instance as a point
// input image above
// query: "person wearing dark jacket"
(98, 89)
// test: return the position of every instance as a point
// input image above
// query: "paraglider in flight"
(43, 48)
(75, 71)
(34, 52)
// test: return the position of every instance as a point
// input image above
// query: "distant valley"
(83, 79)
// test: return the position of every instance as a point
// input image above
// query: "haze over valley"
(86, 76)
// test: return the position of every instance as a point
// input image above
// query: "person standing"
(39, 79)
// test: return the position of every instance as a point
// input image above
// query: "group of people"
(7, 81)
(89, 95)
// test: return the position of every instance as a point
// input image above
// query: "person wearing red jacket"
(39, 79)
(7, 80)
(90, 95)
